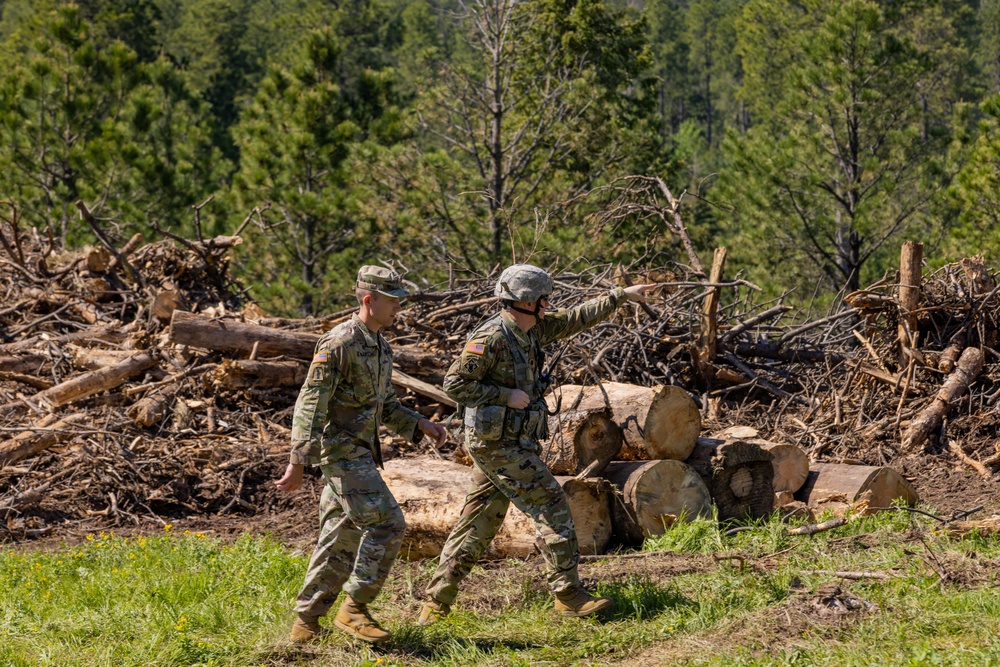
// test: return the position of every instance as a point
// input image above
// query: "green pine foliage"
(84, 116)
(815, 134)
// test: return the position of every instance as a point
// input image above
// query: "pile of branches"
(139, 382)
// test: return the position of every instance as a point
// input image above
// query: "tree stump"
(652, 495)
(657, 423)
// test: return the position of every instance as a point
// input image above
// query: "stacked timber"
(653, 495)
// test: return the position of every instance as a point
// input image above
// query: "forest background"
(448, 137)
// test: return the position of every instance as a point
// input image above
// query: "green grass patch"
(186, 599)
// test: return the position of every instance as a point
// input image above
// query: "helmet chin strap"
(533, 313)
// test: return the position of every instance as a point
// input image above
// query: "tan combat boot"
(354, 619)
(305, 629)
(579, 603)
(433, 612)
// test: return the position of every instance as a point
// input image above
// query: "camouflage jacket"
(345, 397)
(485, 373)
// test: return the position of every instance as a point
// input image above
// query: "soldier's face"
(384, 308)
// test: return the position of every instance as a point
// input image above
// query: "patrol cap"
(382, 280)
(523, 282)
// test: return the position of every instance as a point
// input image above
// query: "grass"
(186, 599)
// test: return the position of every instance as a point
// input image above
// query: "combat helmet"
(523, 282)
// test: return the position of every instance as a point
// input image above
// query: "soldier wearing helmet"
(500, 382)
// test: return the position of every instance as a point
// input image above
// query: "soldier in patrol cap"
(500, 381)
(345, 397)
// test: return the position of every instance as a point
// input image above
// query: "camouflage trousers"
(504, 473)
(361, 530)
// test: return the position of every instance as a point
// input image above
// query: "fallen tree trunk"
(838, 486)
(652, 495)
(657, 423)
(27, 363)
(432, 492)
(94, 382)
(738, 473)
(33, 439)
(242, 373)
(234, 336)
(578, 438)
(929, 419)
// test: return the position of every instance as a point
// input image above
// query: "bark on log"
(29, 442)
(739, 475)
(431, 493)
(579, 438)
(149, 410)
(657, 423)
(93, 358)
(652, 495)
(26, 363)
(233, 336)
(94, 382)
(790, 464)
(929, 419)
(911, 256)
(242, 373)
(837, 486)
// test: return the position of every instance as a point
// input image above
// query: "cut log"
(25, 363)
(790, 464)
(837, 486)
(234, 336)
(652, 495)
(929, 419)
(590, 505)
(225, 335)
(93, 358)
(29, 442)
(431, 493)
(580, 438)
(242, 373)
(94, 382)
(739, 474)
(401, 379)
(657, 423)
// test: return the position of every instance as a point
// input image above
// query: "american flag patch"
(321, 357)
(475, 348)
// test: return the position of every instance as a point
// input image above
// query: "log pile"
(140, 382)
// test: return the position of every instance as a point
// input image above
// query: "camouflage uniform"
(345, 397)
(499, 358)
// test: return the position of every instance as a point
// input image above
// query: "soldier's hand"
(292, 479)
(433, 430)
(638, 292)
(518, 400)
